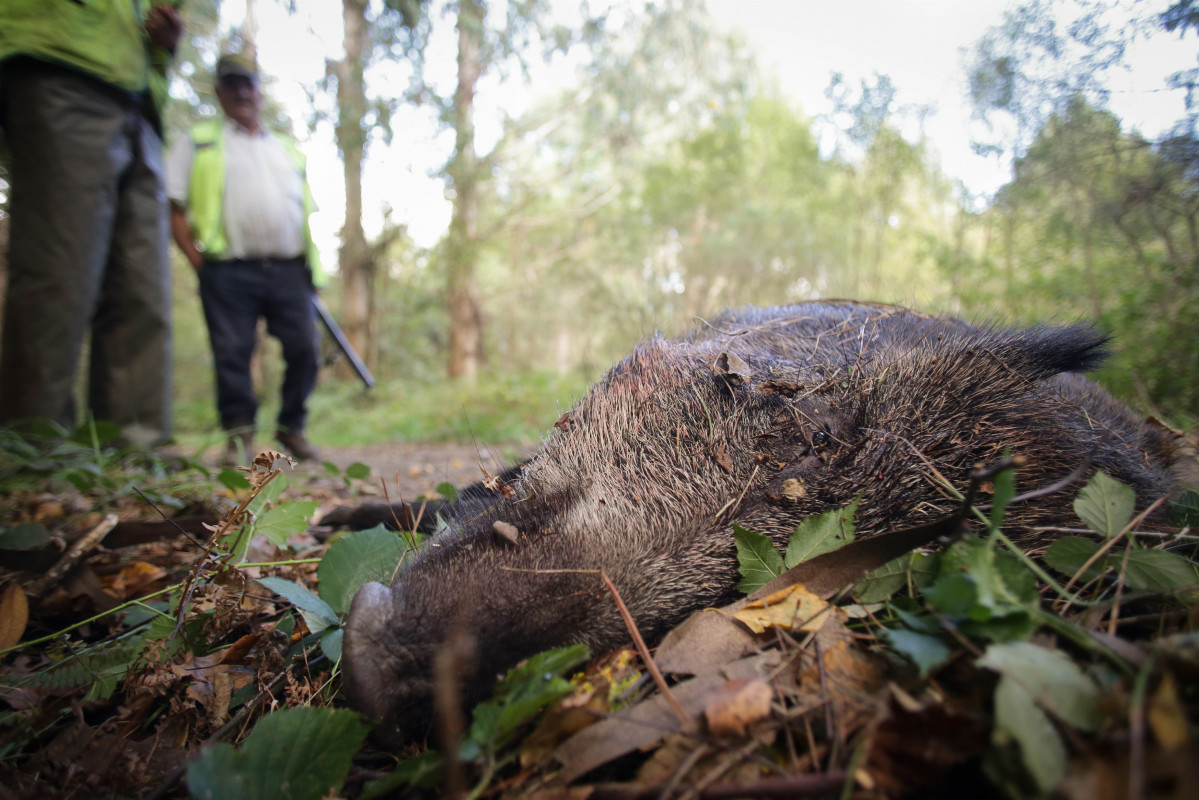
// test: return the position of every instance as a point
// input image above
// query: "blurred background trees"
(669, 177)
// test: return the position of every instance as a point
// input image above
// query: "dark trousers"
(235, 294)
(88, 250)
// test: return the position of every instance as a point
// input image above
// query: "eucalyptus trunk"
(355, 263)
(462, 250)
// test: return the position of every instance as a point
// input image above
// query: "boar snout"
(386, 677)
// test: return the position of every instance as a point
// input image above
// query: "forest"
(173, 629)
(682, 181)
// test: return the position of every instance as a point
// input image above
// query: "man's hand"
(164, 26)
(181, 233)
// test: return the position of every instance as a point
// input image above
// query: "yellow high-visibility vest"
(206, 194)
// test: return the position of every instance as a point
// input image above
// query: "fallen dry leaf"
(705, 642)
(787, 609)
(14, 615)
(736, 705)
(1166, 715)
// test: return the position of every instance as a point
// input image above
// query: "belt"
(266, 262)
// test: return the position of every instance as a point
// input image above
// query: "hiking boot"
(239, 448)
(297, 446)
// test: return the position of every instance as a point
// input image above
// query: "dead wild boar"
(761, 417)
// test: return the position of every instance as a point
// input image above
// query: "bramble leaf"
(1105, 505)
(757, 559)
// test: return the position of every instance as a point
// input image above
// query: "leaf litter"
(858, 668)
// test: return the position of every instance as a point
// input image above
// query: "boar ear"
(1045, 350)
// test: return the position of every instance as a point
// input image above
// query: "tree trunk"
(462, 250)
(355, 263)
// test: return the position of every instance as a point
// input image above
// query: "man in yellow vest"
(81, 88)
(239, 211)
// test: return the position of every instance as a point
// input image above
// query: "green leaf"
(269, 494)
(1144, 571)
(448, 491)
(1186, 511)
(520, 694)
(358, 471)
(1017, 717)
(953, 595)
(316, 612)
(1068, 555)
(331, 643)
(757, 559)
(357, 559)
(1159, 571)
(293, 754)
(1005, 490)
(1051, 678)
(424, 771)
(1105, 505)
(284, 521)
(989, 591)
(928, 652)
(882, 583)
(820, 534)
(234, 480)
(24, 537)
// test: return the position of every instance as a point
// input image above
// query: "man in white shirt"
(239, 212)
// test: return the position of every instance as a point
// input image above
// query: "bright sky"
(918, 43)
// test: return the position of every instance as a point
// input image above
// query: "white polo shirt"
(263, 204)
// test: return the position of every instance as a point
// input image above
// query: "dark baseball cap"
(233, 65)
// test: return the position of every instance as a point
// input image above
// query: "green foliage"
(926, 652)
(500, 408)
(25, 536)
(94, 463)
(914, 570)
(987, 592)
(820, 534)
(292, 754)
(280, 523)
(356, 559)
(1141, 569)
(1186, 510)
(318, 615)
(1105, 505)
(1036, 678)
(758, 560)
(519, 696)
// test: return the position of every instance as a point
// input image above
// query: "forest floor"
(418, 468)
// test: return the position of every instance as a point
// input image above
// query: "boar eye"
(820, 439)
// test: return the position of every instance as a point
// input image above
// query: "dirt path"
(418, 468)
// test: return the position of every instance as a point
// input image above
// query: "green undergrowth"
(499, 408)
(241, 659)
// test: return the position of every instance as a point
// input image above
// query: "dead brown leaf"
(705, 642)
(1166, 715)
(14, 615)
(736, 705)
(791, 608)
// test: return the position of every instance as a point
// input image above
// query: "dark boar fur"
(761, 418)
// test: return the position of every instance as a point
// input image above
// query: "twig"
(675, 706)
(71, 557)
(162, 514)
(1114, 621)
(448, 667)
